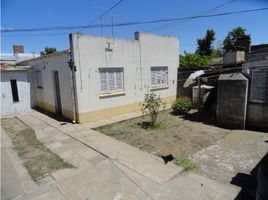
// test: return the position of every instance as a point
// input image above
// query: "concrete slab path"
(109, 169)
(238, 152)
(141, 162)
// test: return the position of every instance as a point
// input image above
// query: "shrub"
(151, 106)
(182, 105)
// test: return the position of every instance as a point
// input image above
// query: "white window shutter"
(165, 76)
(159, 76)
(103, 80)
(153, 77)
(119, 80)
(111, 80)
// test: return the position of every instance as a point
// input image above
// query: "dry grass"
(178, 135)
(36, 157)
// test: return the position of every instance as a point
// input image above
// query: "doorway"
(57, 93)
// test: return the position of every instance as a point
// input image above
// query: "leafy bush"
(151, 106)
(182, 105)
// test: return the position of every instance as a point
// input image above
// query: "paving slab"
(102, 182)
(144, 163)
(54, 194)
(238, 152)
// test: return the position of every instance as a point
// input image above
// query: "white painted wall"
(47, 65)
(9, 107)
(135, 56)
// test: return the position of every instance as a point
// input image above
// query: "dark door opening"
(14, 89)
(57, 93)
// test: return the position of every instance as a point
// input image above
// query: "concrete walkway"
(109, 169)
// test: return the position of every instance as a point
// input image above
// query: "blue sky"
(35, 14)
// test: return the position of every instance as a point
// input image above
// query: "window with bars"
(39, 79)
(111, 80)
(159, 77)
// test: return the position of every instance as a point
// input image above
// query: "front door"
(57, 92)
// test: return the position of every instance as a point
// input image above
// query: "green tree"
(204, 45)
(230, 40)
(193, 60)
(48, 50)
(151, 106)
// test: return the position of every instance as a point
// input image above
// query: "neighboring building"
(103, 77)
(15, 90)
(257, 106)
(17, 55)
(246, 91)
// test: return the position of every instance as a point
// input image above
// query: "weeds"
(187, 164)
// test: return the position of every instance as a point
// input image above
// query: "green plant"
(231, 39)
(151, 106)
(187, 164)
(182, 105)
(204, 45)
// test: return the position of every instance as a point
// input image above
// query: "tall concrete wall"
(136, 57)
(232, 100)
(7, 105)
(257, 116)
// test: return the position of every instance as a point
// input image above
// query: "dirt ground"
(181, 136)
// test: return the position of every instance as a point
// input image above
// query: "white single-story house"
(101, 77)
(15, 90)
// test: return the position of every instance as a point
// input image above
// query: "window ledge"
(115, 94)
(159, 88)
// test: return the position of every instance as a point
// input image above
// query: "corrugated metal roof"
(7, 57)
(8, 67)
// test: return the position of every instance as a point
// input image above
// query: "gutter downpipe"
(73, 80)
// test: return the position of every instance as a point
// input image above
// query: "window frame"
(109, 91)
(14, 90)
(252, 99)
(39, 79)
(159, 85)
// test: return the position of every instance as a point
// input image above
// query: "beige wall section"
(114, 111)
(136, 57)
(51, 108)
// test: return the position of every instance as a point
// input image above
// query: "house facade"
(15, 90)
(103, 77)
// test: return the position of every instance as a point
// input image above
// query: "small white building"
(15, 90)
(102, 77)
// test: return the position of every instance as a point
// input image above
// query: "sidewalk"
(109, 169)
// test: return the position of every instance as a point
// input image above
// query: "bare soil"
(181, 136)
(36, 157)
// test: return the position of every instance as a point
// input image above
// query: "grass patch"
(187, 164)
(36, 157)
(174, 135)
(146, 147)
(158, 125)
(133, 126)
(177, 136)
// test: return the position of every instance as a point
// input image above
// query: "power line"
(100, 17)
(45, 34)
(132, 23)
(180, 22)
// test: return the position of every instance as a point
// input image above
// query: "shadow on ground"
(55, 116)
(248, 182)
(203, 116)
